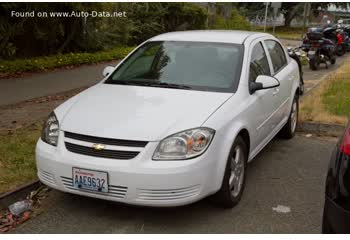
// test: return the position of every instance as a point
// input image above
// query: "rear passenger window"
(277, 54)
(258, 63)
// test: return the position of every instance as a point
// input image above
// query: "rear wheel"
(233, 182)
(340, 50)
(314, 64)
(333, 60)
(288, 131)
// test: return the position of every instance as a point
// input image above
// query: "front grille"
(46, 176)
(107, 141)
(114, 154)
(113, 191)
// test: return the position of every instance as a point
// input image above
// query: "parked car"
(176, 121)
(336, 216)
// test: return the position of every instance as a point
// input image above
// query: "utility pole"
(266, 8)
(306, 13)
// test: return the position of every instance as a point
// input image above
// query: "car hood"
(138, 113)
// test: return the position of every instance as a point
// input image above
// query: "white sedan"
(176, 121)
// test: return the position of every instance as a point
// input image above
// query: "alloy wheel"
(237, 171)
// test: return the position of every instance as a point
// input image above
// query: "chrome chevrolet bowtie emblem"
(98, 147)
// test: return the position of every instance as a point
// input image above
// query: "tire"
(333, 60)
(288, 131)
(340, 51)
(326, 227)
(228, 196)
(301, 87)
(314, 64)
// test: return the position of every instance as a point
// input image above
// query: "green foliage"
(49, 62)
(235, 22)
(33, 36)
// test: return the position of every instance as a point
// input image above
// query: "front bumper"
(337, 217)
(139, 181)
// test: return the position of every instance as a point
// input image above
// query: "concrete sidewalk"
(15, 90)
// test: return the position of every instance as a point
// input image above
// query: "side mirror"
(263, 82)
(108, 70)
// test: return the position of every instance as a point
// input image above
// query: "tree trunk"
(290, 15)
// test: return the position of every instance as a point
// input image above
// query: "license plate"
(90, 180)
(312, 52)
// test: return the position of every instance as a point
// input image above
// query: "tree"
(290, 10)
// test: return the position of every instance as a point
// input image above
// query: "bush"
(235, 22)
(49, 62)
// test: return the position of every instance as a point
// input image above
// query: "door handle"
(274, 93)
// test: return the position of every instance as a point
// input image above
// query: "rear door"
(284, 73)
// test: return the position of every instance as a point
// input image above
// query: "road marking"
(281, 209)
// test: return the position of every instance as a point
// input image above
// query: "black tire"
(326, 227)
(225, 197)
(301, 86)
(314, 64)
(333, 60)
(288, 131)
(340, 51)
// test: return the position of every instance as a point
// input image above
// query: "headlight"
(51, 130)
(184, 145)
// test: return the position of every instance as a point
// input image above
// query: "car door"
(264, 101)
(284, 74)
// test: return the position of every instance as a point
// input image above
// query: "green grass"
(69, 59)
(17, 161)
(336, 98)
(293, 33)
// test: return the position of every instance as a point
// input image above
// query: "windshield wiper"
(149, 84)
(169, 85)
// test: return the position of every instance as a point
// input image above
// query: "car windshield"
(201, 66)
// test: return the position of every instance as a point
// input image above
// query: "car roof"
(219, 36)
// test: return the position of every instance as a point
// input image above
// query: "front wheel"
(233, 182)
(288, 131)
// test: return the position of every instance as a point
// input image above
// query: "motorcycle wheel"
(314, 64)
(340, 51)
(333, 60)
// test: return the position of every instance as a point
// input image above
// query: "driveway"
(36, 85)
(287, 173)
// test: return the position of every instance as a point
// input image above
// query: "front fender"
(227, 136)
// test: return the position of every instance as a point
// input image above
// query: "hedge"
(49, 62)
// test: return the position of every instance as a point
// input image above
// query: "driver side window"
(258, 63)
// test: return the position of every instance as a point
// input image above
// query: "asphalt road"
(288, 173)
(35, 85)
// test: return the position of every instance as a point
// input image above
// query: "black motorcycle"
(296, 55)
(319, 49)
(337, 36)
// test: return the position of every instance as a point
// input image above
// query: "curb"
(19, 193)
(332, 130)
